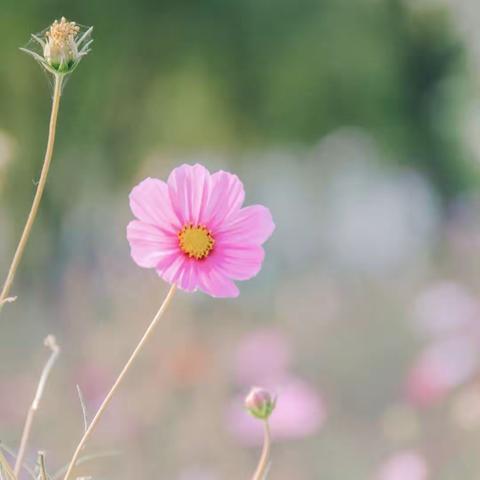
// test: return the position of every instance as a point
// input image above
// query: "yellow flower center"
(61, 32)
(196, 241)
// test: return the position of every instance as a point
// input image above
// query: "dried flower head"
(63, 45)
(260, 403)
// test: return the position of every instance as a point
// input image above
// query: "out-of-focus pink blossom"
(407, 465)
(93, 380)
(262, 358)
(444, 308)
(441, 367)
(20, 389)
(299, 412)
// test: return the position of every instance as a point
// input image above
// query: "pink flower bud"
(260, 403)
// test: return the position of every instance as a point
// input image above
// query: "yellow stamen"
(196, 241)
(61, 32)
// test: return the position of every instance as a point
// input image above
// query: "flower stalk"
(260, 404)
(51, 343)
(57, 93)
(264, 462)
(118, 381)
(41, 466)
(62, 46)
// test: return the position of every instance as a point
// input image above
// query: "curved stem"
(264, 461)
(55, 351)
(57, 93)
(118, 381)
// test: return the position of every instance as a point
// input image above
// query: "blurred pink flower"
(92, 380)
(299, 412)
(21, 388)
(187, 364)
(441, 367)
(262, 358)
(194, 231)
(444, 308)
(407, 465)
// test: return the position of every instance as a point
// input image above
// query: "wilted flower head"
(260, 403)
(63, 45)
(194, 231)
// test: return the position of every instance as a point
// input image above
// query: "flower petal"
(150, 202)
(212, 282)
(238, 262)
(149, 244)
(180, 270)
(187, 278)
(226, 198)
(249, 226)
(171, 268)
(189, 190)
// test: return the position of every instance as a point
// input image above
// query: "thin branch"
(41, 466)
(5, 468)
(40, 189)
(8, 300)
(11, 452)
(264, 464)
(118, 381)
(267, 471)
(85, 459)
(84, 409)
(49, 342)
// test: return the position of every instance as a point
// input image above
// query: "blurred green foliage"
(227, 76)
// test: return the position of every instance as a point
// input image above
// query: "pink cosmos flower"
(442, 366)
(407, 465)
(194, 231)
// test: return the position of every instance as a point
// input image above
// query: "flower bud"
(62, 46)
(260, 403)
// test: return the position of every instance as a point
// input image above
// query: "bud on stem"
(260, 403)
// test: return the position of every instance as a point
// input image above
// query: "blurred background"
(357, 122)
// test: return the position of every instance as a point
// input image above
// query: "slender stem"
(41, 465)
(264, 461)
(13, 454)
(5, 468)
(57, 93)
(50, 343)
(85, 459)
(118, 381)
